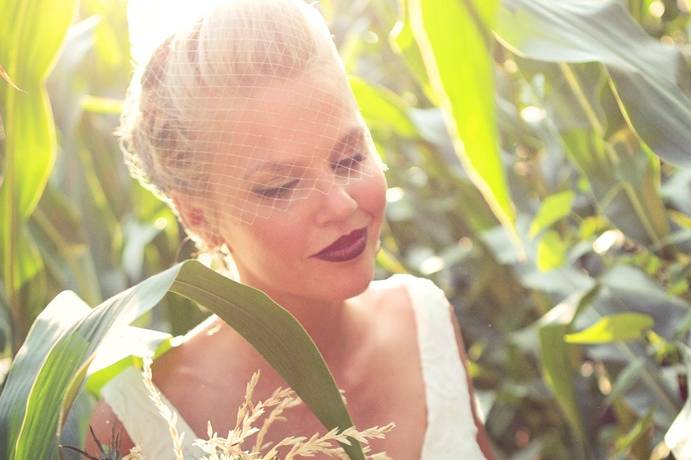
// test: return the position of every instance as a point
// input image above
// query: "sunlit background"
(544, 184)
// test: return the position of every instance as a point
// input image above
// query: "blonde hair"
(215, 59)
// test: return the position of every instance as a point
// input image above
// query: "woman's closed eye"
(348, 164)
(282, 192)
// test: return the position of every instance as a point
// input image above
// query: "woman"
(245, 124)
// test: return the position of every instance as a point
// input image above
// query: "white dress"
(451, 431)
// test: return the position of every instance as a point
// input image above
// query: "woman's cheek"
(285, 237)
(375, 191)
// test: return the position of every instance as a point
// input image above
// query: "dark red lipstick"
(345, 248)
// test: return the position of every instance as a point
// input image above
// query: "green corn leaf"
(455, 45)
(42, 383)
(647, 82)
(613, 328)
(60, 314)
(29, 153)
(102, 105)
(624, 188)
(28, 51)
(32, 32)
(557, 371)
(552, 210)
(551, 251)
(124, 348)
(402, 41)
(622, 171)
(382, 109)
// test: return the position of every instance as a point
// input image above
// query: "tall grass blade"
(456, 48)
(32, 32)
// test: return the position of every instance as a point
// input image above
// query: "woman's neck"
(323, 320)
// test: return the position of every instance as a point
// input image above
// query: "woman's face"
(313, 180)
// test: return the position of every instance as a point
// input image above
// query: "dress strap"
(451, 431)
(130, 401)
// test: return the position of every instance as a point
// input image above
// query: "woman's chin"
(339, 281)
(351, 281)
(357, 287)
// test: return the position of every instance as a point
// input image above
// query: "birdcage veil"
(239, 108)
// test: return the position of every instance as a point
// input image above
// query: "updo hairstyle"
(215, 58)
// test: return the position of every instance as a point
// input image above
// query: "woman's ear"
(197, 218)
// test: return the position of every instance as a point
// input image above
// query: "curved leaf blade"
(60, 314)
(551, 251)
(383, 109)
(273, 331)
(32, 32)
(647, 81)
(456, 49)
(31, 142)
(557, 371)
(613, 328)
(553, 209)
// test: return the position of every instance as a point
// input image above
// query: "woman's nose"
(337, 204)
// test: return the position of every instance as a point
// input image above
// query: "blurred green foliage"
(571, 285)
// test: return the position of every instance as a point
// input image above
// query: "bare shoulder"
(391, 386)
(388, 296)
(106, 428)
(394, 297)
(387, 308)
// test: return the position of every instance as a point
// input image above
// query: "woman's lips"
(345, 248)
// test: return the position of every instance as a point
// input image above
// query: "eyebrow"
(354, 134)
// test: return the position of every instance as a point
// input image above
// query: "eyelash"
(349, 163)
(281, 192)
(284, 191)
